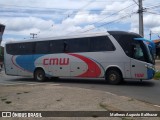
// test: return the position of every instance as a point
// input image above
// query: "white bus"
(113, 55)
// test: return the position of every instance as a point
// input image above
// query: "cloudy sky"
(49, 18)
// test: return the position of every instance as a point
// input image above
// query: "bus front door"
(138, 66)
(138, 69)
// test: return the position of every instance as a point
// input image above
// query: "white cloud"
(151, 21)
(81, 18)
(24, 23)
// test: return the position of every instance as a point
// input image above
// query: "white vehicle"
(113, 55)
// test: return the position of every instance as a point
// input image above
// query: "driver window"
(138, 53)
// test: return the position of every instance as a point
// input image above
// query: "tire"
(113, 77)
(39, 75)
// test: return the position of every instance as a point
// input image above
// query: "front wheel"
(39, 75)
(113, 77)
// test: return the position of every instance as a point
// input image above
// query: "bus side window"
(65, 47)
(42, 47)
(11, 49)
(25, 48)
(78, 45)
(56, 46)
(102, 43)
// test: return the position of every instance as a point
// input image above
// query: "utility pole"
(140, 11)
(33, 35)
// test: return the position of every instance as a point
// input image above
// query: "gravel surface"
(59, 98)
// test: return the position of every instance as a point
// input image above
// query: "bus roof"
(62, 37)
(94, 34)
(122, 33)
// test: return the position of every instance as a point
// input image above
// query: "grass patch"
(157, 76)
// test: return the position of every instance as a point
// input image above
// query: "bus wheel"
(114, 77)
(39, 75)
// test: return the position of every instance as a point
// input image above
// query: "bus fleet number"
(139, 75)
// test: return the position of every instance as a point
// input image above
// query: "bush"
(157, 75)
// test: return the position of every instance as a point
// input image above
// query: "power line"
(135, 2)
(107, 16)
(4, 5)
(56, 12)
(29, 7)
(52, 10)
(154, 6)
(91, 1)
(153, 13)
(59, 12)
(110, 22)
(43, 8)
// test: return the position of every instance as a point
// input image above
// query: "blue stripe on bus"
(27, 61)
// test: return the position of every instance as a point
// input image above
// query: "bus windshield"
(135, 46)
(150, 54)
(148, 49)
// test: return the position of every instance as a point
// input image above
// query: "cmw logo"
(56, 61)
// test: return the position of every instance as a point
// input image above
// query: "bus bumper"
(150, 73)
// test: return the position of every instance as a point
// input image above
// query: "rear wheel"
(113, 77)
(39, 75)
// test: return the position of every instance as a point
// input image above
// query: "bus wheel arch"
(39, 74)
(113, 75)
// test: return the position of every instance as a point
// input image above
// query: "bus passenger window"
(65, 45)
(56, 46)
(42, 47)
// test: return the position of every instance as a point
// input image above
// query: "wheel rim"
(39, 76)
(112, 77)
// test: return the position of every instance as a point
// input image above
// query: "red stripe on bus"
(93, 68)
